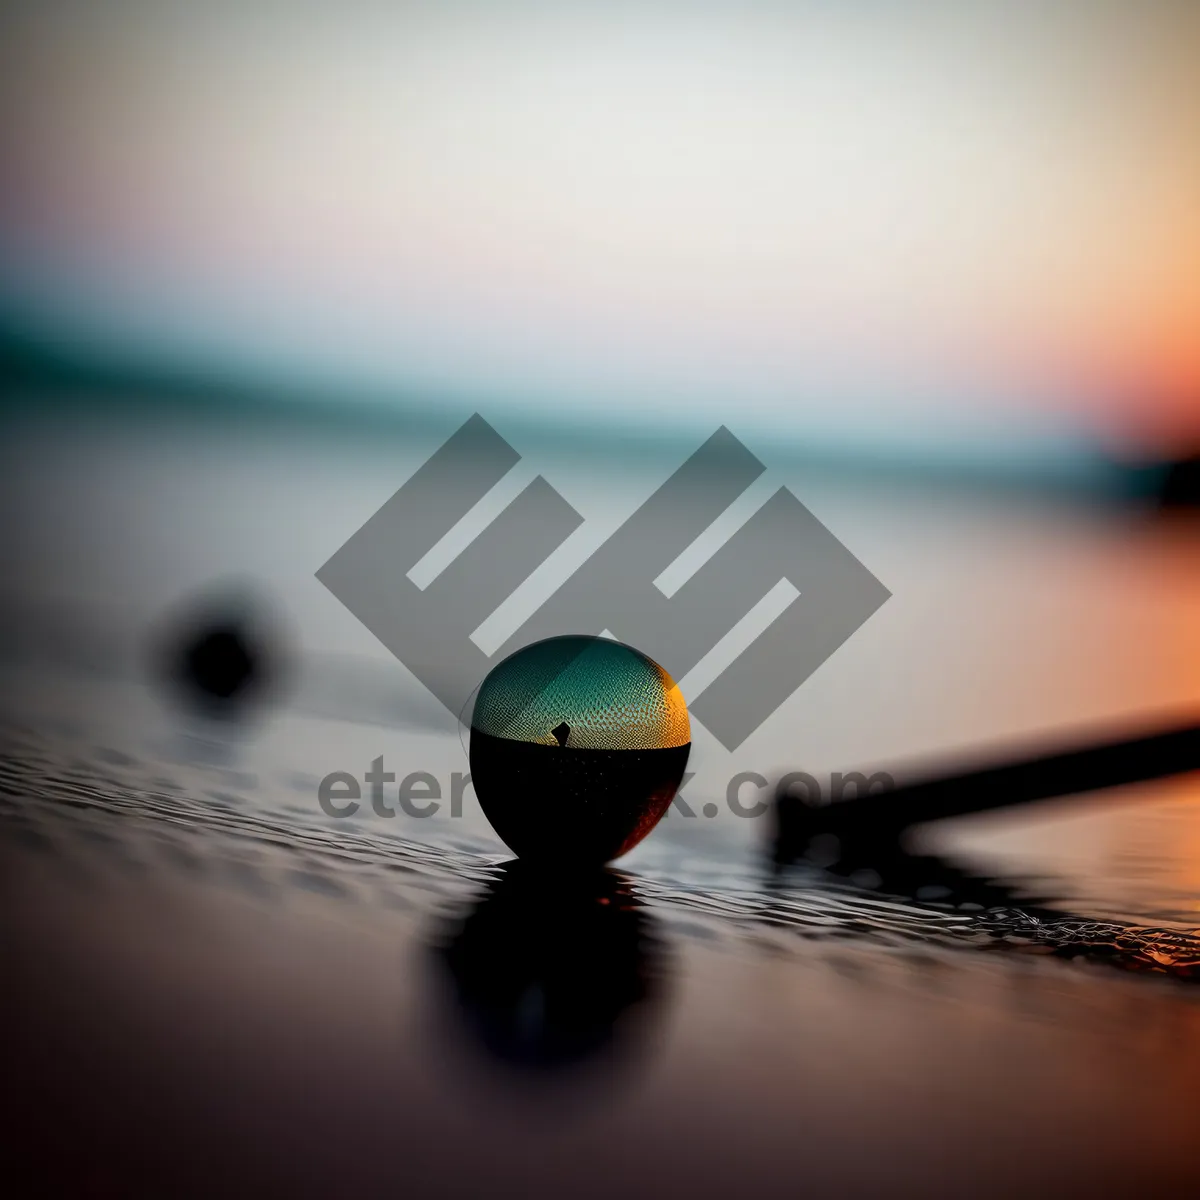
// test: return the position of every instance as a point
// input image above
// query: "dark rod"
(1099, 765)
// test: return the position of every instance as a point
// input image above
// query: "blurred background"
(936, 264)
(932, 228)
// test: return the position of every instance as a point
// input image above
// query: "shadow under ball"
(578, 745)
(550, 971)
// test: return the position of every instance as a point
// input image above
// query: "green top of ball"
(585, 693)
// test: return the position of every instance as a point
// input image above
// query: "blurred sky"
(855, 218)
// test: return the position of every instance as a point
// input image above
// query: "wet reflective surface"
(213, 985)
(204, 975)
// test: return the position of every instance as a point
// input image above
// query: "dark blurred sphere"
(550, 972)
(221, 663)
(225, 655)
(1181, 484)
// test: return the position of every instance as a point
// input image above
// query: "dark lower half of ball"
(557, 804)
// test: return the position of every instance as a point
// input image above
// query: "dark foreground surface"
(207, 991)
(210, 986)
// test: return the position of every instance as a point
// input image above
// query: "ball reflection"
(548, 973)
